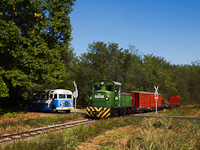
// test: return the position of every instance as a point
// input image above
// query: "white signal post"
(75, 94)
(156, 96)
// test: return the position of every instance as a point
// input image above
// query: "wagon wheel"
(114, 112)
(129, 111)
(67, 111)
(34, 107)
(53, 109)
(122, 111)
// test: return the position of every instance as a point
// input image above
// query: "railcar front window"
(62, 96)
(34, 96)
(37, 96)
(69, 96)
(43, 96)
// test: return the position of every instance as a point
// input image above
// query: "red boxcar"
(175, 100)
(144, 100)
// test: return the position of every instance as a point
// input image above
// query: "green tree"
(131, 69)
(161, 74)
(34, 42)
(101, 62)
(194, 83)
(180, 78)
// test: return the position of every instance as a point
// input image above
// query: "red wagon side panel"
(175, 99)
(143, 100)
(152, 100)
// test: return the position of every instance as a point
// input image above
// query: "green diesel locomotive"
(107, 100)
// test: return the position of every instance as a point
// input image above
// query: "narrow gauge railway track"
(37, 131)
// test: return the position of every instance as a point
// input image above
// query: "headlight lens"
(90, 97)
(107, 98)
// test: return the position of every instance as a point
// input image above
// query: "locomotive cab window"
(97, 87)
(109, 88)
(117, 89)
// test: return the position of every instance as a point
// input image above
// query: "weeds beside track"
(36, 131)
(153, 133)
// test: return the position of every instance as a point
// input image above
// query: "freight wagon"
(145, 101)
(175, 100)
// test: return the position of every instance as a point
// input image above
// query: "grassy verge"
(150, 134)
(68, 139)
(10, 114)
(25, 124)
(179, 111)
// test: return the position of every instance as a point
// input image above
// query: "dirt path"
(116, 139)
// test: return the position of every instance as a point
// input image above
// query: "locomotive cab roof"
(106, 86)
(102, 82)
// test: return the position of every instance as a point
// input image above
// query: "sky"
(164, 28)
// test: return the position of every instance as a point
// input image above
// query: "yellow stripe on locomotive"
(98, 112)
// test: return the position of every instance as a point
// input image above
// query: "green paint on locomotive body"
(108, 94)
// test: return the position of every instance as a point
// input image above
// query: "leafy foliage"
(34, 45)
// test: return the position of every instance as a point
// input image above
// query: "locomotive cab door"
(117, 95)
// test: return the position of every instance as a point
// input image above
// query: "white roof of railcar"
(117, 83)
(60, 91)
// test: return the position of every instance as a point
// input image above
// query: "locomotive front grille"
(98, 112)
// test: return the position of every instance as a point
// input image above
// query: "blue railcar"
(51, 100)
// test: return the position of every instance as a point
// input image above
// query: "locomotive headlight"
(107, 98)
(90, 98)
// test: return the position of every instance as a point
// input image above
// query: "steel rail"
(36, 131)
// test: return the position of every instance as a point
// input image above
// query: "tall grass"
(166, 134)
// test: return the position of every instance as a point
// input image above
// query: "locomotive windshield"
(97, 87)
(106, 86)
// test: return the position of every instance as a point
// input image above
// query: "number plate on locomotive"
(99, 96)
